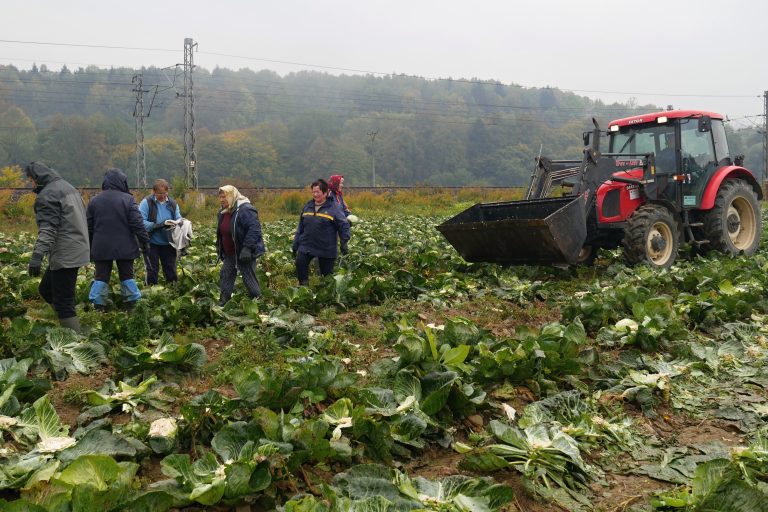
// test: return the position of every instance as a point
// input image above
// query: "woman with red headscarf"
(336, 192)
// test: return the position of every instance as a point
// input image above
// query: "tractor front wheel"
(586, 256)
(734, 225)
(651, 236)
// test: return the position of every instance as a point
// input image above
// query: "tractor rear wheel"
(734, 225)
(651, 236)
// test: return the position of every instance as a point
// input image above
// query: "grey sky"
(704, 54)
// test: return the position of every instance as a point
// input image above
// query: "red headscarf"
(334, 182)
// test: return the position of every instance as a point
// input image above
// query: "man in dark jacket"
(116, 230)
(62, 237)
(321, 224)
(239, 242)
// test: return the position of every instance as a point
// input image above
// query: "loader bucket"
(519, 232)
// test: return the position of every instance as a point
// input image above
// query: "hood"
(234, 197)
(42, 175)
(115, 179)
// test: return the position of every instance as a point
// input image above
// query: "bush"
(22, 208)
(290, 202)
(6, 198)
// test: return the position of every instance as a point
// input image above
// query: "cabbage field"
(410, 380)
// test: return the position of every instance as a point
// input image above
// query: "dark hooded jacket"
(60, 215)
(114, 221)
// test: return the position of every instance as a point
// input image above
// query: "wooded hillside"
(264, 129)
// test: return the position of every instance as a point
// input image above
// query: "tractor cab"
(688, 147)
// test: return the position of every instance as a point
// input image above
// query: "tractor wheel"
(734, 225)
(651, 236)
(586, 256)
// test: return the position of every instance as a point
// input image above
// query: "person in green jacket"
(62, 237)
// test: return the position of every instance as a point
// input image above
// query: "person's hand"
(344, 247)
(246, 254)
(35, 263)
(158, 225)
(145, 248)
(294, 253)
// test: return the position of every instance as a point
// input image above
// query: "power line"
(370, 72)
(79, 45)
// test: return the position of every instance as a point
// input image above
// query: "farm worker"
(336, 187)
(321, 223)
(239, 242)
(157, 208)
(666, 159)
(117, 234)
(62, 236)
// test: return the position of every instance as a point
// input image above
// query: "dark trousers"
(302, 266)
(57, 288)
(228, 274)
(165, 255)
(104, 269)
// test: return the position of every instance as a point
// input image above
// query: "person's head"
(336, 183)
(229, 196)
(39, 174)
(319, 191)
(160, 189)
(115, 179)
(29, 170)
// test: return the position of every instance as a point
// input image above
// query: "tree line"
(263, 129)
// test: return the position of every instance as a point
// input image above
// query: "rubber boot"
(99, 295)
(70, 323)
(130, 290)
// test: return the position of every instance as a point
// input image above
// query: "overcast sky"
(703, 54)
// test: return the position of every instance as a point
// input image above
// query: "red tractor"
(668, 178)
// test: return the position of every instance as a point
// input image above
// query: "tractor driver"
(666, 158)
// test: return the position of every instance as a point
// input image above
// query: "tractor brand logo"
(628, 163)
(635, 121)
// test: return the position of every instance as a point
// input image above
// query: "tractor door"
(699, 160)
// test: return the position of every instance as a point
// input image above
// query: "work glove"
(34, 264)
(246, 254)
(344, 247)
(158, 225)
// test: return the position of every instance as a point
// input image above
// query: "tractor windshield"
(658, 139)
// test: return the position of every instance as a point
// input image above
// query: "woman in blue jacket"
(321, 224)
(239, 242)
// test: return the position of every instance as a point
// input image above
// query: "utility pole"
(372, 135)
(138, 114)
(190, 156)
